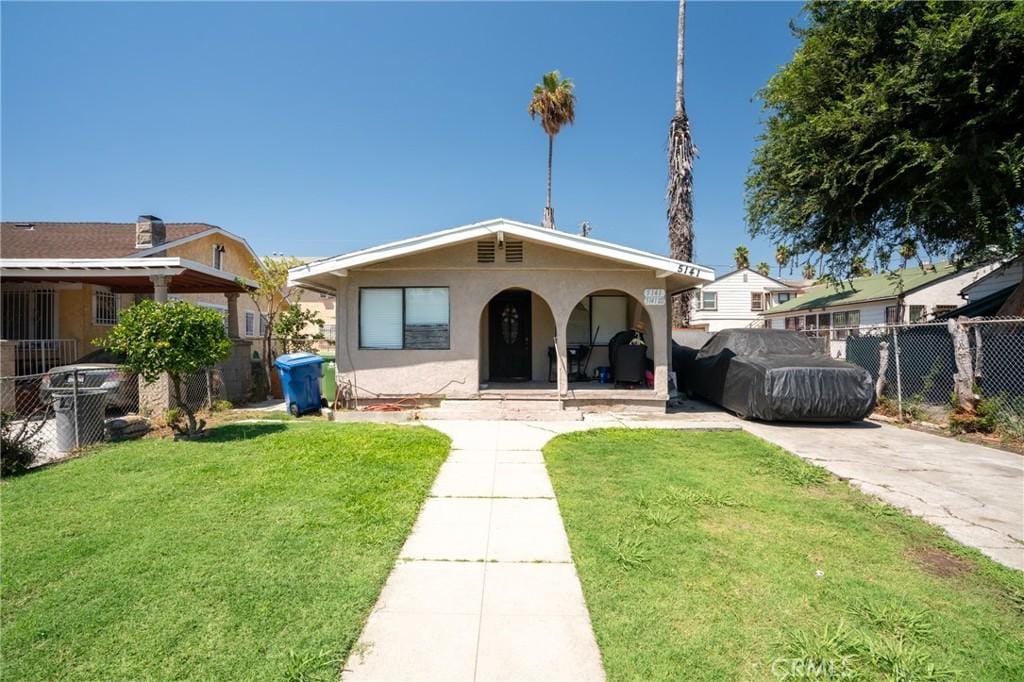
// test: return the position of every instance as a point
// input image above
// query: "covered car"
(777, 375)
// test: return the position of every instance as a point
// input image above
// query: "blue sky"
(315, 129)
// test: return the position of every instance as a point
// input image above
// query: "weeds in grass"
(902, 660)
(630, 551)
(790, 468)
(828, 653)
(688, 497)
(896, 619)
(322, 665)
(659, 516)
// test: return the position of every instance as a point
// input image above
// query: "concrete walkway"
(975, 493)
(485, 588)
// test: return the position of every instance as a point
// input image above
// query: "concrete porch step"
(506, 410)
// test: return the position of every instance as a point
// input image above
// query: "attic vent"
(485, 252)
(513, 252)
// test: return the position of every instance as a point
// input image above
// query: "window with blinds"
(410, 318)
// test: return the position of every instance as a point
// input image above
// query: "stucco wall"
(561, 278)
(75, 318)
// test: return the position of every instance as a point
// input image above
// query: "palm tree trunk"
(549, 213)
(681, 152)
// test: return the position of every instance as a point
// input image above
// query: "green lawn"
(255, 554)
(698, 555)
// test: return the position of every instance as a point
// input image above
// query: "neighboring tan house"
(737, 300)
(64, 284)
(875, 301)
(498, 308)
(320, 303)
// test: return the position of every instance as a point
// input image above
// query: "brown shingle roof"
(79, 240)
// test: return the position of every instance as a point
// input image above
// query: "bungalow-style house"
(875, 301)
(64, 284)
(737, 299)
(495, 308)
(992, 293)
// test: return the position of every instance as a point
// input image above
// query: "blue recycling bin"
(300, 381)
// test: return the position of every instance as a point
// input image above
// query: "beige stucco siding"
(557, 277)
(236, 260)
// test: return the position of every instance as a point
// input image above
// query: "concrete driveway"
(973, 492)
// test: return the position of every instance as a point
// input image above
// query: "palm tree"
(555, 103)
(763, 268)
(681, 152)
(742, 257)
(781, 257)
(809, 272)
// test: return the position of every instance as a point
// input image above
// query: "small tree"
(271, 279)
(291, 328)
(177, 338)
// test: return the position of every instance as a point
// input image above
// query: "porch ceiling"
(125, 275)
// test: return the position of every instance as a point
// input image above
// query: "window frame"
(249, 324)
(921, 310)
(217, 261)
(359, 317)
(96, 307)
(703, 305)
(759, 297)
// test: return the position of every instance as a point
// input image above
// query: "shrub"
(177, 338)
(221, 406)
(17, 445)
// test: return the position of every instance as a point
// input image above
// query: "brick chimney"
(150, 231)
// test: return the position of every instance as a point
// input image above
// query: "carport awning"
(125, 275)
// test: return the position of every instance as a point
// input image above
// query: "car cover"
(777, 375)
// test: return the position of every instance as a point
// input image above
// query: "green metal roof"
(864, 289)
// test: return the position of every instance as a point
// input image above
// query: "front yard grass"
(713, 556)
(254, 554)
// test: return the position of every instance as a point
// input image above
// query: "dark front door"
(509, 336)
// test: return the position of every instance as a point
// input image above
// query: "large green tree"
(898, 127)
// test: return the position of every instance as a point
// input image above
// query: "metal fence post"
(74, 406)
(209, 389)
(899, 378)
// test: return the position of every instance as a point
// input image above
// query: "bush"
(221, 406)
(17, 446)
(172, 416)
(177, 338)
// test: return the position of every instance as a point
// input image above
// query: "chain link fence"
(64, 410)
(918, 366)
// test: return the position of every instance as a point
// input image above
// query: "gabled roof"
(779, 282)
(81, 240)
(98, 240)
(995, 272)
(684, 274)
(126, 275)
(862, 289)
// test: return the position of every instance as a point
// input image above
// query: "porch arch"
(597, 315)
(539, 334)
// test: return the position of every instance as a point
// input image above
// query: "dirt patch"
(940, 562)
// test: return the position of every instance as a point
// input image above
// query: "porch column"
(232, 297)
(160, 283)
(561, 354)
(661, 321)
